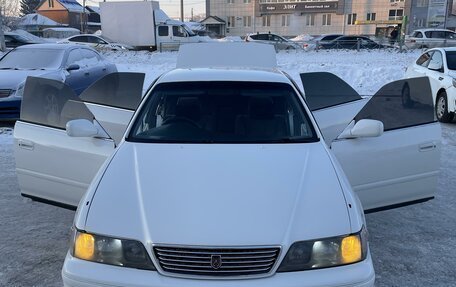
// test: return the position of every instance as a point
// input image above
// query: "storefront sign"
(299, 7)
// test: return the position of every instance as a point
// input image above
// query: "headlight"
(328, 252)
(19, 91)
(113, 251)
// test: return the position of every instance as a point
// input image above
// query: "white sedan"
(95, 42)
(222, 176)
(439, 65)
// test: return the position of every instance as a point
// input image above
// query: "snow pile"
(231, 39)
(29, 36)
(6, 137)
(365, 71)
(302, 38)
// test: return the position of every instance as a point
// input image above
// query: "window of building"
(394, 1)
(285, 20)
(247, 20)
(266, 20)
(247, 1)
(326, 19)
(351, 19)
(371, 16)
(51, 3)
(422, 3)
(310, 19)
(230, 1)
(396, 14)
(230, 21)
(420, 22)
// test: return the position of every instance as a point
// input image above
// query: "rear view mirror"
(363, 129)
(73, 67)
(81, 128)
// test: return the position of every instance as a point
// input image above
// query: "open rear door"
(52, 166)
(332, 102)
(400, 167)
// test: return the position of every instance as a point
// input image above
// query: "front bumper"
(80, 273)
(10, 108)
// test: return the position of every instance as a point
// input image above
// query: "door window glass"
(436, 61)
(401, 104)
(120, 90)
(450, 35)
(51, 103)
(438, 34)
(89, 58)
(418, 35)
(74, 57)
(163, 31)
(179, 31)
(324, 90)
(96, 40)
(79, 39)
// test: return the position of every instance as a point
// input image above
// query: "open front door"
(399, 167)
(52, 166)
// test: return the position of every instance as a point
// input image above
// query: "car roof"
(431, 29)
(224, 74)
(445, 49)
(53, 46)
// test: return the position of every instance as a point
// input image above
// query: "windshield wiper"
(9, 69)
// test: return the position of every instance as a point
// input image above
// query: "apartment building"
(295, 17)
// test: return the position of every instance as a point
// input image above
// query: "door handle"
(104, 69)
(86, 73)
(26, 144)
(427, 147)
(440, 78)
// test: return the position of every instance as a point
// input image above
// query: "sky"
(171, 7)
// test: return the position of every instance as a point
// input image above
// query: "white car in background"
(95, 41)
(279, 42)
(222, 176)
(430, 38)
(439, 65)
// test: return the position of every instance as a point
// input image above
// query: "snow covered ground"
(411, 246)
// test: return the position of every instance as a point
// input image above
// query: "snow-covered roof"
(37, 19)
(195, 26)
(213, 20)
(62, 29)
(72, 5)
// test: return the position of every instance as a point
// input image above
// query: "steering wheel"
(181, 120)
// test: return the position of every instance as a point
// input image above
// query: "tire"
(441, 108)
(406, 99)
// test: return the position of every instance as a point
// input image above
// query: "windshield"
(451, 59)
(32, 59)
(189, 31)
(222, 112)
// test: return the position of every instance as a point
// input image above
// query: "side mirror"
(363, 129)
(81, 128)
(73, 67)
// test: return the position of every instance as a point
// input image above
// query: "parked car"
(74, 65)
(224, 173)
(322, 39)
(95, 41)
(439, 64)
(351, 42)
(13, 40)
(431, 38)
(279, 42)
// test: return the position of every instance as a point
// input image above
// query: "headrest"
(261, 108)
(189, 108)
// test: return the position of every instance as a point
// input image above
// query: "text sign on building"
(299, 7)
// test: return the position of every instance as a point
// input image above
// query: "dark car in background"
(13, 40)
(76, 65)
(351, 42)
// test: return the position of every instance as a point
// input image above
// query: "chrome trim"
(271, 272)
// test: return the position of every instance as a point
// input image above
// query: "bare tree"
(10, 10)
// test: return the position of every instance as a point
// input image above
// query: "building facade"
(314, 17)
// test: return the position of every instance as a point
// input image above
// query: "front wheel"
(441, 108)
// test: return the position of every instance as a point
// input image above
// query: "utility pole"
(182, 10)
(2, 36)
(191, 19)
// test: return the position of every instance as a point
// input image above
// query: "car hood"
(10, 79)
(215, 194)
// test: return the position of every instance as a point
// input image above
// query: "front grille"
(4, 93)
(216, 261)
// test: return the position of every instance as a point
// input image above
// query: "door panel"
(400, 166)
(55, 167)
(51, 165)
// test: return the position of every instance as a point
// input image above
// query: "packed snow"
(410, 246)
